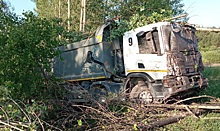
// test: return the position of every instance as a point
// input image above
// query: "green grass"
(213, 76)
(209, 122)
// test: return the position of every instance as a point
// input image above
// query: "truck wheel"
(99, 93)
(141, 95)
(139, 91)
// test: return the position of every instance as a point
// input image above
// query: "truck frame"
(150, 64)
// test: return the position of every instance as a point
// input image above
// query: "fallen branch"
(194, 115)
(5, 114)
(163, 122)
(211, 118)
(25, 125)
(10, 126)
(104, 114)
(42, 127)
(51, 126)
(196, 97)
(29, 120)
(204, 107)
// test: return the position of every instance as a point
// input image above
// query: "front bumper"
(183, 86)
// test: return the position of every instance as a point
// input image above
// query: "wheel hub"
(146, 97)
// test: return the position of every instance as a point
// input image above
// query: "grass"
(213, 75)
(208, 122)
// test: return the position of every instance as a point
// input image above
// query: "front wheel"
(139, 90)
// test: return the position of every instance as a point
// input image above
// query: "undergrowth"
(211, 56)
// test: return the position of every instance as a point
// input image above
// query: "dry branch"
(163, 122)
(196, 106)
(196, 97)
(10, 126)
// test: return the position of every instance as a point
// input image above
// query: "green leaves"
(27, 45)
(135, 14)
(135, 127)
(79, 122)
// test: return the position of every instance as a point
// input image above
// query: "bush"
(211, 56)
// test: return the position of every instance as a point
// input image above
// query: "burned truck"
(149, 64)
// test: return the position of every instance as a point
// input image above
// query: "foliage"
(209, 45)
(4, 6)
(31, 114)
(211, 56)
(59, 9)
(208, 40)
(27, 45)
(142, 12)
(133, 13)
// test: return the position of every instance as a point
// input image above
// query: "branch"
(5, 114)
(8, 125)
(39, 121)
(204, 107)
(196, 97)
(21, 110)
(104, 114)
(163, 122)
(51, 125)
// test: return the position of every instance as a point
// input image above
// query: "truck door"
(143, 53)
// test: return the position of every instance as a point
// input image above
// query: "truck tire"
(139, 90)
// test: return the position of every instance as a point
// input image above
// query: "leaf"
(79, 122)
(135, 127)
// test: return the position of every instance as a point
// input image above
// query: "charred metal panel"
(184, 61)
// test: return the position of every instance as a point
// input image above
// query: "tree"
(51, 9)
(4, 6)
(134, 12)
(27, 45)
(208, 40)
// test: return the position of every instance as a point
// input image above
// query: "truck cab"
(165, 57)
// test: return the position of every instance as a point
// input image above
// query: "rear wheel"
(99, 93)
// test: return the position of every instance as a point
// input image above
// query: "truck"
(149, 64)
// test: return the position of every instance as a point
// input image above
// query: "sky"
(201, 12)
(22, 5)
